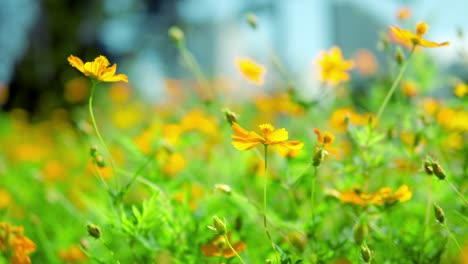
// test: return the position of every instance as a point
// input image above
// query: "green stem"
(451, 236)
(96, 130)
(394, 85)
(426, 218)
(456, 191)
(233, 250)
(312, 194)
(265, 203)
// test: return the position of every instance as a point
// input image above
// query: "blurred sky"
(135, 32)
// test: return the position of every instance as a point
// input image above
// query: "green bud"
(399, 56)
(100, 161)
(319, 156)
(218, 226)
(252, 20)
(438, 171)
(366, 253)
(93, 151)
(360, 232)
(176, 34)
(230, 116)
(94, 230)
(439, 214)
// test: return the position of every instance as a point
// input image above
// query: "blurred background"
(37, 36)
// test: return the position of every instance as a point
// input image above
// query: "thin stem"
(456, 191)
(394, 85)
(96, 130)
(312, 194)
(451, 236)
(265, 202)
(426, 217)
(233, 250)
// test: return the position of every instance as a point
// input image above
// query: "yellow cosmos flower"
(460, 90)
(381, 197)
(324, 142)
(404, 13)
(408, 38)
(244, 140)
(252, 72)
(409, 88)
(98, 69)
(334, 67)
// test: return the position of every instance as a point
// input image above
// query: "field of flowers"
(284, 175)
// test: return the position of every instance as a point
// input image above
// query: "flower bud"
(318, 157)
(421, 28)
(93, 151)
(428, 167)
(223, 188)
(100, 161)
(439, 214)
(252, 20)
(218, 225)
(399, 56)
(360, 233)
(366, 254)
(176, 34)
(94, 230)
(438, 171)
(230, 116)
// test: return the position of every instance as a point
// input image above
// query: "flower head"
(404, 13)
(381, 197)
(324, 142)
(252, 72)
(244, 140)
(98, 69)
(218, 246)
(334, 67)
(408, 38)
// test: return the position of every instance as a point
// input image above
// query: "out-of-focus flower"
(453, 119)
(174, 163)
(383, 196)
(431, 106)
(76, 90)
(5, 198)
(128, 116)
(410, 39)
(334, 69)
(218, 247)
(73, 254)
(53, 171)
(280, 103)
(454, 140)
(98, 69)
(120, 92)
(192, 194)
(252, 72)
(460, 89)
(198, 120)
(409, 88)
(404, 13)
(338, 123)
(13, 240)
(244, 140)
(366, 63)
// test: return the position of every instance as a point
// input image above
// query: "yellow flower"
(334, 68)
(5, 199)
(253, 72)
(218, 247)
(98, 69)
(409, 88)
(381, 197)
(461, 89)
(337, 119)
(244, 140)
(13, 240)
(408, 38)
(76, 90)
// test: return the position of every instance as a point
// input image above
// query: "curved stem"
(265, 203)
(451, 236)
(394, 86)
(96, 130)
(457, 191)
(232, 248)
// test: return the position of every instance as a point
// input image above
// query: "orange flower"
(98, 69)
(244, 140)
(334, 68)
(403, 13)
(366, 63)
(72, 255)
(408, 38)
(409, 88)
(218, 247)
(324, 142)
(22, 247)
(253, 72)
